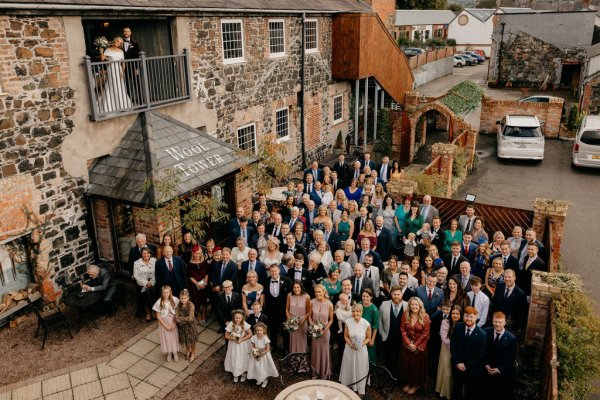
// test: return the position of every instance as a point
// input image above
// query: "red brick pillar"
(555, 211)
(411, 100)
(401, 188)
(397, 132)
(542, 295)
(471, 144)
(243, 194)
(446, 152)
(152, 227)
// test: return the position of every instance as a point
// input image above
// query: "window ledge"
(339, 121)
(234, 61)
(277, 55)
(284, 139)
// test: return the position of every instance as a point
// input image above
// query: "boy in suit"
(500, 359)
(257, 316)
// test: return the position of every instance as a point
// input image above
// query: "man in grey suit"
(390, 315)
(359, 281)
(466, 221)
(427, 211)
(431, 296)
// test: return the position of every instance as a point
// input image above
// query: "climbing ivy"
(463, 97)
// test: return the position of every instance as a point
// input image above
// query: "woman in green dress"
(371, 314)
(413, 220)
(400, 215)
(333, 284)
(345, 227)
(452, 235)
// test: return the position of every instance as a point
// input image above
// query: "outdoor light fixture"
(470, 197)
(106, 24)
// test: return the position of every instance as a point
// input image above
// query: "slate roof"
(142, 155)
(326, 6)
(423, 17)
(482, 14)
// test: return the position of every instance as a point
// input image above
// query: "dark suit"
(132, 77)
(309, 216)
(233, 225)
(103, 283)
(342, 172)
(500, 354)
(515, 306)
(541, 249)
(237, 232)
(177, 278)
(305, 278)
(448, 264)
(337, 185)
(296, 220)
(472, 252)
(252, 320)
(524, 276)
(314, 196)
(512, 262)
(219, 275)
(319, 177)
(431, 306)
(135, 253)
(224, 310)
(388, 172)
(334, 241)
(370, 163)
(384, 243)
(376, 258)
(470, 351)
(365, 283)
(357, 227)
(440, 238)
(275, 309)
(297, 249)
(467, 288)
(270, 229)
(259, 268)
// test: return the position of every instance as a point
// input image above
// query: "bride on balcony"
(114, 94)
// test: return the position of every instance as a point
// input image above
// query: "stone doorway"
(432, 127)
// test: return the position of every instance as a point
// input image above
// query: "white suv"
(520, 136)
(586, 149)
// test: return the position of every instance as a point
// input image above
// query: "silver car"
(586, 149)
(520, 137)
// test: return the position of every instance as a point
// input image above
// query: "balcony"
(124, 87)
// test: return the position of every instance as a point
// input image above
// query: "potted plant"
(339, 145)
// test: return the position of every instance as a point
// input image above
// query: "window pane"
(337, 108)
(247, 138)
(276, 38)
(232, 40)
(281, 123)
(311, 35)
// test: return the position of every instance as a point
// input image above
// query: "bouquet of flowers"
(292, 324)
(236, 334)
(315, 330)
(101, 42)
(356, 342)
(256, 353)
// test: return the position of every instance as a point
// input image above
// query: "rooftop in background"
(424, 17)
(329, 6)
(482, 14)
(155, 143)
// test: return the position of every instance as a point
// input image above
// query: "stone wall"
(251, 91)
(36, 114)
(493, 110)
(526, 61)
(590, 103)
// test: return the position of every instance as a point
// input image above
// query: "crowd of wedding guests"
(339, 266)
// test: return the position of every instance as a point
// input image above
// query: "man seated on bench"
(100, 281)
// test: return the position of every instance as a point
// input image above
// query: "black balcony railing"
(121, 87)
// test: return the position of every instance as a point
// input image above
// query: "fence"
(120, 87)
(461, 140)
(434, 166)
(430, 56)
(496, 218)
(550, 360)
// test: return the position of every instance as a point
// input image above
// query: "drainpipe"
(302, 83)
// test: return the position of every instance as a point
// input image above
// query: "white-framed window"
(338, 106)
(311, 37)
(247, 137)
(276, 37)
(282, 123)
(232, 33)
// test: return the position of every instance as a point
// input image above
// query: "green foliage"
(192, 213)
(451, 42)
(428, 184)
(436, 43)
(403, 42)
(272, 167)
(417, 35)
(577, 339)
(455, 7)
(459, 166)
(418, 4)
(463, 97)
(383, 144)
(572, 120)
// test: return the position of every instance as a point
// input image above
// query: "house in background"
(425, 24)
(540, 49)
(472, 29)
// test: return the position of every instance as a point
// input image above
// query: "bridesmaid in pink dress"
(322, 312)
(298, 305)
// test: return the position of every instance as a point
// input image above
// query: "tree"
(192, 213)
(272, 168)
(456, 7)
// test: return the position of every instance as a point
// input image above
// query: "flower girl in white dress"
(238, 333)
(261, 365)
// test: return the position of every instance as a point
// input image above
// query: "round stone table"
(317, 390)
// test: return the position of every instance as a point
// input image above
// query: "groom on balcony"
(133, 81)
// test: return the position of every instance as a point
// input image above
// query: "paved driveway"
(518, 183)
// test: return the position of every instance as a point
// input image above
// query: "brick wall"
(103, 228)
(590, 103)
(243, 194)
(386, 10)
(493, 110)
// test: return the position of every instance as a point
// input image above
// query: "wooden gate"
(496, 218)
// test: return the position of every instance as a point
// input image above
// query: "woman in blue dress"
(353, 192)
(252, 292)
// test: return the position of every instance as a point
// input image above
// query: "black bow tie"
(272, 281)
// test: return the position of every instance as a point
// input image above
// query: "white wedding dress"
(114, 96)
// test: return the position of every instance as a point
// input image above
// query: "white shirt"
(274, 288)
(482, 304)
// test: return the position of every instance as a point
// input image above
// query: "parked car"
(417, 50)
(586, 149)
(536, 99)
(410, 53)
(470, 60)
(459, 61)
(520, 137)
(478, 57)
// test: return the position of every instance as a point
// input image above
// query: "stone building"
(214, 70)
(541, 49)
